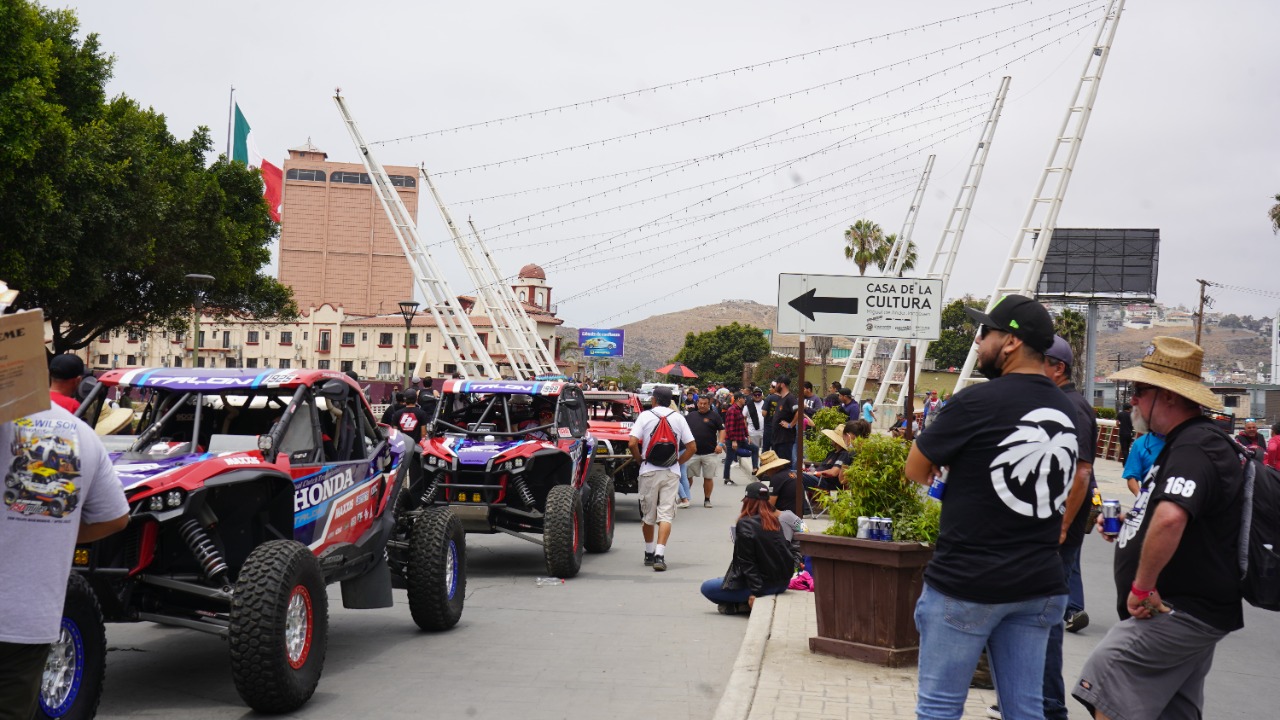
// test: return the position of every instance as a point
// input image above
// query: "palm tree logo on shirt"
(1032, 453)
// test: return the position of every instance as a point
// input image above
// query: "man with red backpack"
(660, 440)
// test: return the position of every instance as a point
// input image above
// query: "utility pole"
(1120, 357)
(1200, 312)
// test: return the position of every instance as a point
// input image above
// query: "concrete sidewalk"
(777, 677)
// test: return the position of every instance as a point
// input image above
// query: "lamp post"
(197, 282)
(408, 308)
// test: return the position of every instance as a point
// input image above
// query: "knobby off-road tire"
(74, 672)
(437, 581)
(279, 627)
(599, 512)
(562, 531)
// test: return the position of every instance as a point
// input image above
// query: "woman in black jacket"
(762, 560)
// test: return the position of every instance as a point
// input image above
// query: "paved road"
(619, 641)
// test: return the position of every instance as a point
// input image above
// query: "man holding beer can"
(1175, 570)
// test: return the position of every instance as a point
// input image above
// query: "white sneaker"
(993, 712)
(683, 503)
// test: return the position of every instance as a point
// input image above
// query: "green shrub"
(1106, 413)
(816, 445)
(878, 486)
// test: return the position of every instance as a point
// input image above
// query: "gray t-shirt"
(56, 475)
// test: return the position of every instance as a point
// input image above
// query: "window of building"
(539, 298)
(251, 338)
(231, 362)
(384, 340)
(403, 180)
(348, 339)
(325, 340)
(350, 178)
(284, 363)
(306, 336)
(226, 339)
(345, 366)
(384, 368)
(177, 361)
(1230, 401)
(364, 337)
(104, 337)
(179, 338)
(199, 362)
(200, 339)
(413, 340)
(134, 336)
(322, 364)
(364, 365)
(251, 362)
(103, 359)
(484, 339)
(286, 337)
(302, 364)
(427, 368)
(266, 334)
(427, 338)
(308, 175)
(524, 296)
(450, 368)
(131, 360)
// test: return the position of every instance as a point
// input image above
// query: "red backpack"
(664, 446)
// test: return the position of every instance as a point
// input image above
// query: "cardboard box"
(24, 365)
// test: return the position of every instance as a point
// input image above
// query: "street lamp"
(197, 283)
(408, 308)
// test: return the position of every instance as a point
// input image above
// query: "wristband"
(1140, 593)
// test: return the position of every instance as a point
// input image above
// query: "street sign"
(859, 306)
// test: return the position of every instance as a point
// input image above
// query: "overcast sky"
(1183, 135)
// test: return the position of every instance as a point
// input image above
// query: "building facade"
(336, 244)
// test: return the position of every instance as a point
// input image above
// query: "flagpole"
(231, 108)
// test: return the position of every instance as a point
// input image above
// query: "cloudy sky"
(705, 190)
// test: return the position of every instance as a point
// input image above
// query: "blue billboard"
(600, 342)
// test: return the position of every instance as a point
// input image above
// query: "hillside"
(655, 340)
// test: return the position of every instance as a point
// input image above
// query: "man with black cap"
(1175, 551)
(65, 372)
(411, 418)
(1009, 449)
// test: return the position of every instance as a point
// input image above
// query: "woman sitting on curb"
(762, 557)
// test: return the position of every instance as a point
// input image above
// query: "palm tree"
(1072, 326)
(909, 256)
(864, 244)
(1274, 214)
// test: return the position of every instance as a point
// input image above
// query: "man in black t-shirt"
(708, 436)
(1124, 430)
(996, 580)
(770, 411)
(411, 418)
(784, 421)
(1175, 551)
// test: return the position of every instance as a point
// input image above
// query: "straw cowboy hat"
(1174, 365)
(113, 420)
(770, 460)
(835, 437)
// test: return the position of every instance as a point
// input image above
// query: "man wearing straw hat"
(1177, 579)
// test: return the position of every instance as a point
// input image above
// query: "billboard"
(1101, 263)
(597, 342)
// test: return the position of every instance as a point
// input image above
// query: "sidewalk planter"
(866, 593)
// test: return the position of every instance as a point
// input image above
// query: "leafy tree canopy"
(953, 343)
(1073, 326)
(718, 355)
(102, 211)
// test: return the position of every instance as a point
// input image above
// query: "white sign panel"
(860, 306)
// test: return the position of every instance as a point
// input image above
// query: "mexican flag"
(245, 150)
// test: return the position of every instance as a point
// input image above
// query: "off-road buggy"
(514, 457)
(610, 414)
(249, 492)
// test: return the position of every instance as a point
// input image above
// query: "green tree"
(718, 355)
(1072, 326)
(98, 196)
(957, 333)
(864, 244)
(1230, 321)
(630, 375)
(773, 366)
(1274, 215)
(909, 258)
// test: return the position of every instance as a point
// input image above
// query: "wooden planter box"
(866, 593)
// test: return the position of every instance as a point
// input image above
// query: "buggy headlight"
(173, 498)
(155, 503)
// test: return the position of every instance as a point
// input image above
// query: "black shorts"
(21, 668)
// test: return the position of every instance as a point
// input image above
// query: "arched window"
(524, 297)
(540, 298)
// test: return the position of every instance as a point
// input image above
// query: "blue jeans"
(1075, 586)
(711, 591)
(732, 456)
(1055, 694)
(683, 492)
(952, 635)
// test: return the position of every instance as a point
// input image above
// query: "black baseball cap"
(65, 367)
(1021, 317)
(757, 491)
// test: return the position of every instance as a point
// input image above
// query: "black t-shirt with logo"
(705, 429)
(1200, 473)
(786, 413)
(1087, 437)
(411, 420)
(1010, 444)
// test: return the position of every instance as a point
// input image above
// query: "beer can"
(1111, 517)
(939, 485)
(864, 527)
(887, 532)
(878, 524)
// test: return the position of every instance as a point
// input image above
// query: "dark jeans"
(1125, 442)
(1055, 696)
(786, 450)
(711, 591)
(731, 455)
(21, 669)
(766, 441)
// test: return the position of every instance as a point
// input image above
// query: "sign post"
(798, 465)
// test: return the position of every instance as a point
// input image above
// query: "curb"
(740, 691)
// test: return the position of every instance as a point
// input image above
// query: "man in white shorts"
(659, 485)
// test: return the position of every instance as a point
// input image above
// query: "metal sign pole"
(909, 403)
(798, 389)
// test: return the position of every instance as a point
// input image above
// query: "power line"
(701, 78)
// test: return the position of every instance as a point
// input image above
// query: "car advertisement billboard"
(597, 342)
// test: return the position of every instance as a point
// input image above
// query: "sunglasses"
(984, 330)
(1137, 391)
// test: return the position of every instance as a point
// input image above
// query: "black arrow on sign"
(808, 304)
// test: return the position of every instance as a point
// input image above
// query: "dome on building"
(533, 272)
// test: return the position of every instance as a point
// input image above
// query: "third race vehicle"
(514, 457)
(249, 492)
(610, 414)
